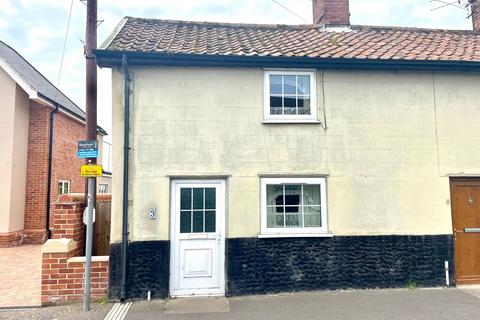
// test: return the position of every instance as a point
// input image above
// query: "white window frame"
(102, 185)
(67, 182)
(290, 118)
(292, 232)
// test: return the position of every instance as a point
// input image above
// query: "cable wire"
(284, 7)
(64, 46)
(455, 3)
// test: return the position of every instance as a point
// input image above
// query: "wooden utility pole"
(91, 103)
(91, 71)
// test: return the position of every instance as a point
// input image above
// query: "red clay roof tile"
(362, 42)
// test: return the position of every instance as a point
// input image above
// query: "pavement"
(196, 305)
(399, 304)
(67, 312)
(391, 304)
(20, 276)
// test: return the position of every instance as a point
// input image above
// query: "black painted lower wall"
(294, 264)
(255, 266)
(148, 269)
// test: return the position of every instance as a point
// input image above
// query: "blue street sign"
(87, 149)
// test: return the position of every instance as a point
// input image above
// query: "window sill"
(287, 121)
(295, 235)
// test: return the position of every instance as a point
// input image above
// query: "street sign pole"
(91, 134)
(88, 244)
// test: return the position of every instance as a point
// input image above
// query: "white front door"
(197, 264)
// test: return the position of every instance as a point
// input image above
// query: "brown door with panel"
(465, 199)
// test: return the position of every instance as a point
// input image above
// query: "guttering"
(112, 58)
(126, 149)
(50, 103)
(49, 173)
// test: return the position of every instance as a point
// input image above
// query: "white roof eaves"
(31, 92)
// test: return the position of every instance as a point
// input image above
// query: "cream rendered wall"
(15, 108)
(391, 139)
(7, 105)
(100, 148)
(103, 179)
(458, 115)
(19, 165)
(117, 156)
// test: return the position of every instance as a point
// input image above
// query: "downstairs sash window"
(293, 206)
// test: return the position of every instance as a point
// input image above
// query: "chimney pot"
(331, 12)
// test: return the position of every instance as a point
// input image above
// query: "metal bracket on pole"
(85, 215)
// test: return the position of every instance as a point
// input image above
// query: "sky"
(37, 28)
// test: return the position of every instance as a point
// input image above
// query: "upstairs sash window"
(290, 96)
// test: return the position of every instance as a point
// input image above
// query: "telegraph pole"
(91, 104)
(91, 71)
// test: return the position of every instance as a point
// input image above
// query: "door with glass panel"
(197, 238)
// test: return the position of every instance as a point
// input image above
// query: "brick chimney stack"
(334, 13)
(475, 12)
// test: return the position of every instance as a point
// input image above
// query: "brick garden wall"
(62, 266)
(63, 274)
(66, 219)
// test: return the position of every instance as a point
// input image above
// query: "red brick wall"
(331, 12)
(62, 279)
(9, 239)
(66, 219)
(475, 7)
(36, 184)
(65, 165)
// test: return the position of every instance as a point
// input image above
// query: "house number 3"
(153, 213)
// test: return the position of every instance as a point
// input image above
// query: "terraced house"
(270, 158)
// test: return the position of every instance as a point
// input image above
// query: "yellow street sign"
(91, 170)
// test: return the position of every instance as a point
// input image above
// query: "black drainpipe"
(49, 174)
(126, 148)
